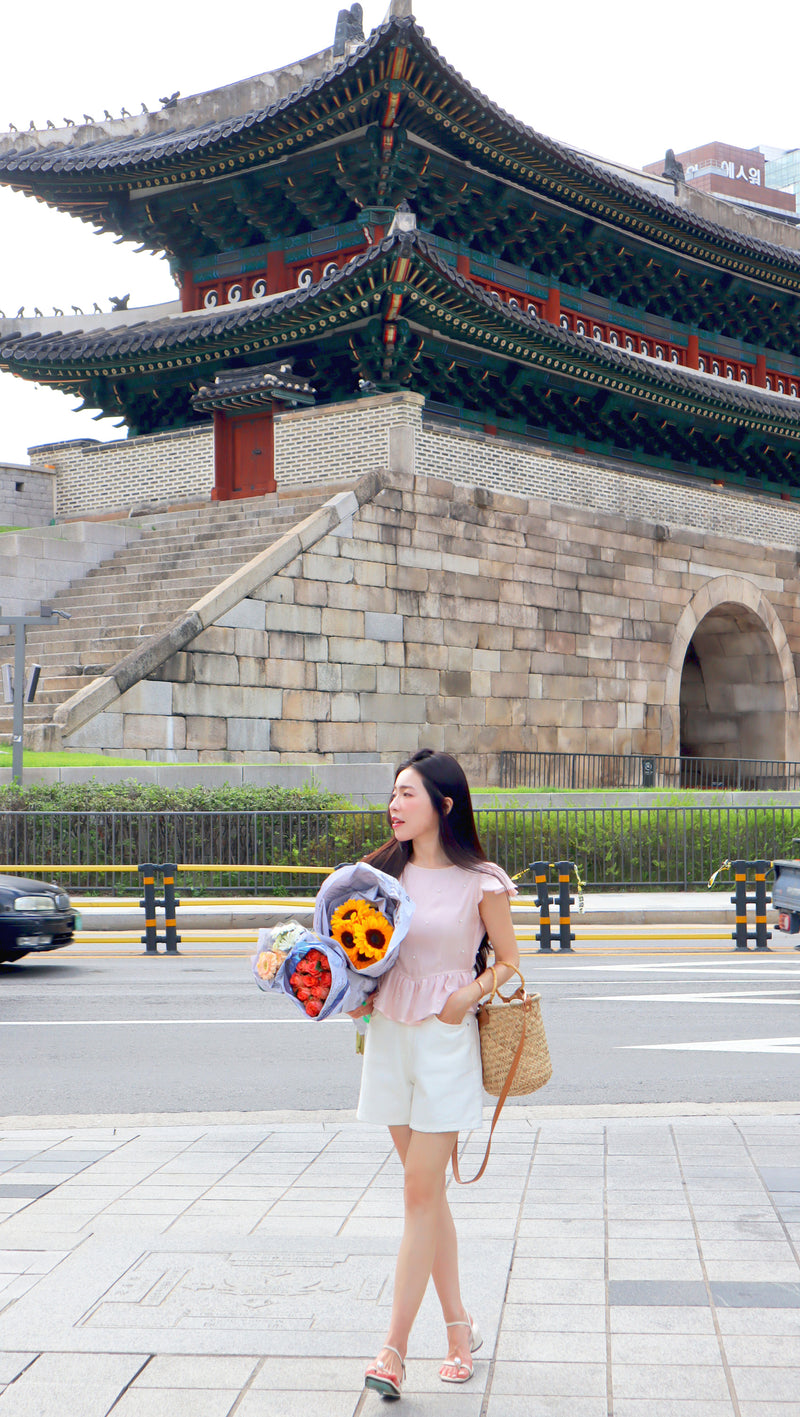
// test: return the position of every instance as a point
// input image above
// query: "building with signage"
(782, 170)
(737, 174)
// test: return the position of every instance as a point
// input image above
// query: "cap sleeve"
(494, 881)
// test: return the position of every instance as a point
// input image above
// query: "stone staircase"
(180, 556)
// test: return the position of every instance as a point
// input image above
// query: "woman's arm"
(495, 912)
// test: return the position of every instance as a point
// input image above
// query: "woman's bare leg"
(445, 1264)
(429, 1245)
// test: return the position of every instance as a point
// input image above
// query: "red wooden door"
(252, 455)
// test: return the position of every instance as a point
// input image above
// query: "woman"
(422, 1067)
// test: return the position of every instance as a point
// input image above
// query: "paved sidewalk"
(640, 1265)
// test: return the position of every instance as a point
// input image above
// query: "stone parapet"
(98, 477)
(27, 495)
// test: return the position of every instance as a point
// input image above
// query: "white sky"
(623, 79)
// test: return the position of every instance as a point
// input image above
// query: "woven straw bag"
(514, 1054)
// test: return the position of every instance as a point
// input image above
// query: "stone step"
(142, 573)
(190, 588)
(266, 532)
(140, 591)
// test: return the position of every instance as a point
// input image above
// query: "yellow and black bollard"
(151, 938)
(741, 900)
(544, 934)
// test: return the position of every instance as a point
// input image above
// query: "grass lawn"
(67, 760)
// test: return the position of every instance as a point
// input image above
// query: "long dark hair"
(443, 777)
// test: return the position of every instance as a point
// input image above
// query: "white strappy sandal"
(381, 1379)
(464, 1370)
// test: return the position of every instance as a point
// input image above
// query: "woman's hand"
(458, 1005)
(364, 1010)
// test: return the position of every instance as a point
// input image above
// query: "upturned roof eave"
(514, 335)
(574, 170)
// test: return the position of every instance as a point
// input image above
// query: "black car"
(34, 916)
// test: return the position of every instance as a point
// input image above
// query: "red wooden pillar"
(693, 352)
(761, 371)
(189, 298)
(462, 265)
(552, 310)
(277, 278)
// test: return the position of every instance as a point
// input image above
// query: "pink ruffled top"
(437, 955)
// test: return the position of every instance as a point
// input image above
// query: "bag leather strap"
(520, 990)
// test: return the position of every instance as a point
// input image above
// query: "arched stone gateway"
(731, 687)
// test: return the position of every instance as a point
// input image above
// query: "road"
(84, 1033)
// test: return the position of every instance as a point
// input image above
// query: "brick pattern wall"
(26, 496)
(338, 441)
(331, 443)
(93, 477)
(448, 619)
(477, 459)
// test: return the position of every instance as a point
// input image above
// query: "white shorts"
(426, 1075)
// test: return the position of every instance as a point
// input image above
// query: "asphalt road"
(115, 1035)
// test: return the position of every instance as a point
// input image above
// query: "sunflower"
(363, 932)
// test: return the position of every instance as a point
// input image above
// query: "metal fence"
(569, 771)
(638, 848)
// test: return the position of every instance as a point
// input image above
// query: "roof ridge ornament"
(673, 170)
(400, 10)
(403, 220)
(349, 30)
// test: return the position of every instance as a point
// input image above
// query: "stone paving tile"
(553, 1318)
(200, 1370)
(529, 1346)
(652, 1319)
(662, 1380)
(12, 1364)
(686, 1349)
(650, 1407)
(530, 1406)
(764, 1384)
(172, 1402)
(311, 1374)
(759, 1321)
(550, 1379)
(762, 1350)
(555, 1291)
(457, 1403)
(548, 1247)
(554, 1267)
(655, 1269)
(82, 1385)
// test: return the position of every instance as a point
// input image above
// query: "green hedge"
(667, 848)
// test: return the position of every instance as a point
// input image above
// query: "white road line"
(725, 1045)
(772, 996)
(138, 1022)
(786, 969)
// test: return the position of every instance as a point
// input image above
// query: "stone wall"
(449, 617)
(329, 443)
(38, 563)
(27, 495)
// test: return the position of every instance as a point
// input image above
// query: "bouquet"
(368, 913)
(310, 971)
(361, 917)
